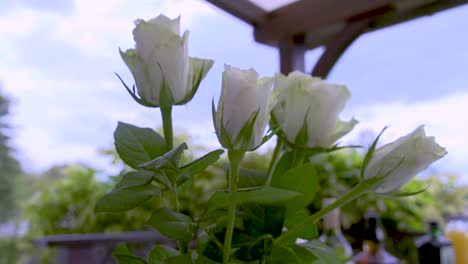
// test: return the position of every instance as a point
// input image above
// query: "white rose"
(162, 54)
(307, 110)
(243, 109)
(400, 161)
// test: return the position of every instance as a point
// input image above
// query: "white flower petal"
(303, 98)
(403, 159)
(241, 97)
(163, 55)
(144, 83)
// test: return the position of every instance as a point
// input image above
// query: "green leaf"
(249, 178)
(302, 136)
(135, 178)
(180, 259)
(126, 198)
(204, 260)
(309, 233)
(303, 180)
(199, 165)
(172, 225)
(245, 137)
(160, 253)
(168, 161)
(284, 164)
(198, 70)
(263, 219)
(265, 195)
(202, 163)
(124, 256)
(137, 145)
(291, 254)
(324, 254)
(132, 92)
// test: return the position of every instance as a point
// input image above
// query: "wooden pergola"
(295, 26)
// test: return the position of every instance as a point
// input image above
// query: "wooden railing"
(97, 248)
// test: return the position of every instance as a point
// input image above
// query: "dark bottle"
(373, 251)
(433, 248)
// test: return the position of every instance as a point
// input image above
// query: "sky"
(58, 62)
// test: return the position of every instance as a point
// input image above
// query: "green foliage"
(159, 253)
(9, 166)
(8, 251)
(311, 252)
(126, 198)
(123, 255)
(67, 206)
(136, 145)
(172, 224)
(300, 179)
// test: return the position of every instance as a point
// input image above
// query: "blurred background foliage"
(61, 200)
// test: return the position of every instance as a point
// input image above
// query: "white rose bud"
(163, 72)
(307, 110)
(243, 109)
(400, 161)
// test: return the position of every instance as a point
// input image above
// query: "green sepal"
(166, 99)
(370, 153)
(245, 138)
(302, 136)
(221, 133)
(133, 93)
(401, 194)
(267, 137)
(197, 74)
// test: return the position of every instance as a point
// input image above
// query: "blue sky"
(59, 57)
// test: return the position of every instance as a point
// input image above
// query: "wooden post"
(292, 54)
(337, 46)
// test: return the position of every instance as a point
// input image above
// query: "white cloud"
(98, 28)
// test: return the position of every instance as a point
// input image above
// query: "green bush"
(67, 206)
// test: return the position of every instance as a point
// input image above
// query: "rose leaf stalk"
(360, 189)
(235, 158)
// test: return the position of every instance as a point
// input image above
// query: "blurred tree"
(9, 166)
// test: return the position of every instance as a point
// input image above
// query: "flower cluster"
(301, 110)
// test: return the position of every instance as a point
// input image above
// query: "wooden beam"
(242, 9)
(422, 11)
(337, 46)
(292, 55)
(310, 15)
